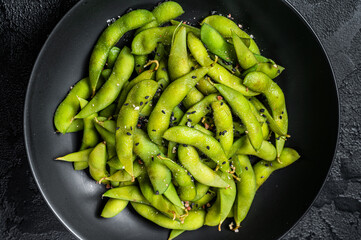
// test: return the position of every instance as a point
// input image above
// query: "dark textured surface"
(24, 27)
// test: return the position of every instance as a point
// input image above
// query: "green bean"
(264, 169)
(245, 57)
(123, 176)
(175, 233)
(193, 221)
(189, 158)
(260, 82)
(128, 119)
(223, 204)
(127, 193)
(172, 195)
(122, 71)
(225, 27)
(112, 57)
(240, 105)
(158, 201)
(201, 189)
(81, 156)
(216, 72)
(178, 57)
(205, 87)
(207, 144)
(113, 207)
(224, 124)
(160, 176)
(246, 188)
(217, 44)
(160, 117)
(270, 69)
(146, 41)
(110, 37)
(263, 110)
(97, 162)
(139, 62)
(186, 188)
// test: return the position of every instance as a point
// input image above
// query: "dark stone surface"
(24, 27)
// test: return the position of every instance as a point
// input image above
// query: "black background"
(24, 27)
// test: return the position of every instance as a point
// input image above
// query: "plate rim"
(32, 79)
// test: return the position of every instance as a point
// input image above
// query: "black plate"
(311, 97)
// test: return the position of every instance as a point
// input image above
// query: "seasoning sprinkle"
(126, 104)
(246, 168)
(154, 130)
(128, 133)
(185, 145)
(136, 144)
(146, 97)
(208, 147)
(224, 162)
(163, 111)
(280, 117)
(261, 110)
(194, 77)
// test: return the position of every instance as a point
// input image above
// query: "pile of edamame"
(185, 124)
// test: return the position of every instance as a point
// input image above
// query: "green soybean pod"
(146, 41)
(204, 200)
(162, 72)
(203, 130)
(216, 72)
(240, 106)
(172, 195)
(223, 120)
(175, 118)
(80, 156)
(223, 204)
(264, 169)
(225, 26)
(206, 144)
(189, 158)
(109, 138)
(245, 57)
(186, 187)
(178, 57)
(90, 134)
(160, 176)
(139, 62)
(205, 87)
(194, 96)
(217, 44)
(128, 118)
(109, 125)
(196, 30)
(113, 207)
(193, 221)
(260, 82)
(201, 189)
(127, 193)
(175, 233)
(97, 162)
(122, 71)
(157, 200)
(123, 176)
(110, 37)
(112, 57)
(109, 111)
(75, 126)
(272, 70)
(160, 117)
(246, 188)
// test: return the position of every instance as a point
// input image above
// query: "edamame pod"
(189, 158)
(112, 57)
(245, 57)
(122, 71)
(160, 117)
(272, 70)
(178, 57)
(264, 169)
(97, 162)
(81, 156)
(128, 119)
(260, 82)
(127, 193)
(113, 207)
(110, 36)
(172, 195)
(240, 105)
(123, 176)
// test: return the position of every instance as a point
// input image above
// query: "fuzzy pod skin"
(113, 207)
(245, 57)
(97, 162)
(260, 82)
(160, 176)
(193, 221)
(240, 105)
(205, 143)
(225, 26)
(172, 195)
(189, 158)
(178, 56)
(123, 69)
(246, 187)
(173, 95)
(128, 118)
(263, 169)
(81, 156)
(127, 193)
(110, 36)
(216, 72)
(244, 147)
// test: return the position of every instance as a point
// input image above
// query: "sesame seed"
(262, 176)
(131, 128)
(141, 103)
(164, 69)
(224, 162)
(157, 193)
(222, 103)
(185, 145)
(280, 117)
(146, 97)
(126, 104)
(246, 168)
(261, 110)
(163, 111)
(194, 77)
(158, 154)
(154, 130)
(117, 128)
(208, 147)
(128, 133)
(136, 144)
